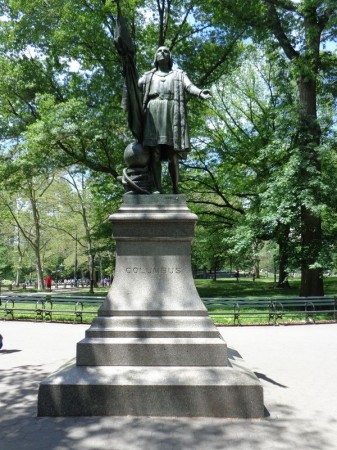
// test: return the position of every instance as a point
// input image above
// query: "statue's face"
(163, 54)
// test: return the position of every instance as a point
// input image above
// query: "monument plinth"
(152, 349)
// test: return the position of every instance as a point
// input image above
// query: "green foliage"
(262, 160)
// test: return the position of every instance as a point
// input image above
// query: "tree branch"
(175, 37)
(276, 28)
(88, 162)
(220, 61)
(324, 18)
(284, 4)
(218, 205)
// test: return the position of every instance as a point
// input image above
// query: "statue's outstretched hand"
(205, 94)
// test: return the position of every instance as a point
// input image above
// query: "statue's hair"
(155, 62)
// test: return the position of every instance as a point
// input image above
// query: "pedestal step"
(152, 352)
(151, 391)
(152, 327)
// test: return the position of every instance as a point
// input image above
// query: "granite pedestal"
(152, 349)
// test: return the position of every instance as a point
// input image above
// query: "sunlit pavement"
(297, 366)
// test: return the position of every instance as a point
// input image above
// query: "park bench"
(274, 308)
(44, 306)
(55, 303)
(239, 307)
(25, 304)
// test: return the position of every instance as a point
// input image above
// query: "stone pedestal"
(152, 350)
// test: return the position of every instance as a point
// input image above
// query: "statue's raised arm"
(132, 101)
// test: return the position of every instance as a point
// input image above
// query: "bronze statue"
(156, 115)
(165, 129)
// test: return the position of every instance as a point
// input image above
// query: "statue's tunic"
(164, 109)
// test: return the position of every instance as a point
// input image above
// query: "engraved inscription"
(154, 270)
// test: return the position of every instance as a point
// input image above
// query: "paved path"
(297, 366)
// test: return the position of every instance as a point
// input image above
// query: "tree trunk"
(283, 274)
(92, 274)
(214, 271)
(39, 271)
(311, 229)
(306, 62)
(283, 244)
(36, 244)
(257, 268)
(312, 278)
(312, 283)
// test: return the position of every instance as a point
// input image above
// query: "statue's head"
(163, 52)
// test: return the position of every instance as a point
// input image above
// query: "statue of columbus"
(156, 107)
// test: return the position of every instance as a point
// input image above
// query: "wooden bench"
(274, 308)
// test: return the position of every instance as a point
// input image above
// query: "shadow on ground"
(20, 428)
(6, 352)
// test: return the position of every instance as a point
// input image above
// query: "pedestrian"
(1, 341)
(48, 282)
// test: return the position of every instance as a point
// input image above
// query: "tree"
(82, 198)
(239, 152)
(6, 248)
(25, 214)
(299, 29)
(61, 89)
(54, 116)
(77, 113)
(209, 250)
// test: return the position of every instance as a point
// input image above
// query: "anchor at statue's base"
(136, 181)
(136, 177)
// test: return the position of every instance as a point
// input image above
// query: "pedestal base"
(151, 391)
(152, 350)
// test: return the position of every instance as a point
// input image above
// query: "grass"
(262, 319)
(264, 287)
(249, 289)
(246, 287)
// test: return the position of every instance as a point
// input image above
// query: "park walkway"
(297, 366)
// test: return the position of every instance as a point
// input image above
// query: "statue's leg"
(156, 168)
(173, 167)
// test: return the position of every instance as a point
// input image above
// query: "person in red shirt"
(48, 282)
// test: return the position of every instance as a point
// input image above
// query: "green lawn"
(264, 287)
